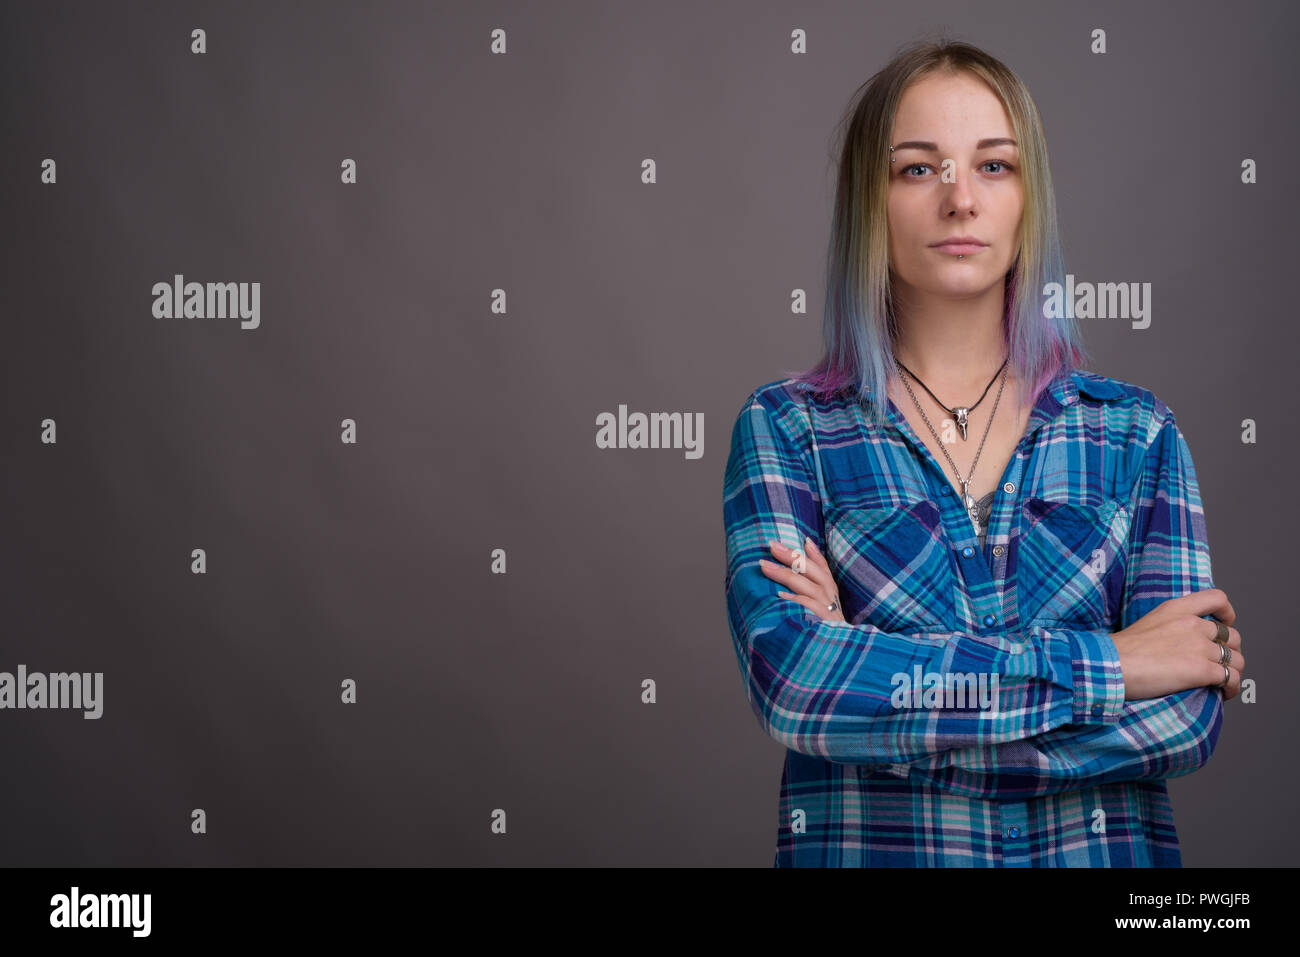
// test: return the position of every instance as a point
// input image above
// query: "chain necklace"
(960, 413)
(971, 508)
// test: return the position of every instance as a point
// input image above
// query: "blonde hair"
(859, 325)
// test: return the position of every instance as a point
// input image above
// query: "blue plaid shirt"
(1096, 521)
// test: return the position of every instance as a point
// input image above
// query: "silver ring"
(797, 563)
(1225, 654)
(1221, 632)
(1226, 675)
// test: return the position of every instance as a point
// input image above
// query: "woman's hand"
(1171, 648)
(808, 575)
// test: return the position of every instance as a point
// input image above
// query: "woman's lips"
(959, 249)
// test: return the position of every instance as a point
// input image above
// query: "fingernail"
(808, 543)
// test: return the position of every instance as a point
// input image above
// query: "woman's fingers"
(814, 565)
(790, 579)
(818, 606)
(1207, 601)
(809, 578)
(1236, 661)
(1211, 630)
(1214, 650)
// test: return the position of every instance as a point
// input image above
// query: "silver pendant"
(971, 508)
(960, 415)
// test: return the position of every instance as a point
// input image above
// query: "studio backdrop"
(329, 328)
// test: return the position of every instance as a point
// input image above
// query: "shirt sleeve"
(1151, 737)
(826, 688)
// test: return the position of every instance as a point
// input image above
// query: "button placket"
(950, 507)
(1006, 510)
(999, 513)
(1013, 822)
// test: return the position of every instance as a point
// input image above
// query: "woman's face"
(953, 118)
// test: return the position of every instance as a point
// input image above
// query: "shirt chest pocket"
(892, 566)
(1070, 563)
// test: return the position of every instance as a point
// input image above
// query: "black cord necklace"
(961, 413)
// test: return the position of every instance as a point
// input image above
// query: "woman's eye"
(1004, 168)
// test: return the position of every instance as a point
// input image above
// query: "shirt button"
(990, 620)
(967, 552)
(997, 549)
(1009, 487)
(946, 490)
(1013, 831)
(1097, 709)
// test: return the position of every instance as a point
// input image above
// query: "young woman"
(968, 583)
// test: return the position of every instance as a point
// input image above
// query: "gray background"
(476, 431)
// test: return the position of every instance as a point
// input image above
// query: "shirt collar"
(1096, 386)
(1065, 391)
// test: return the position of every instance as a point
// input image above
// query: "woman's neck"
(954, 346)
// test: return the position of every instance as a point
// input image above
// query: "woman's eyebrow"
(933, 148)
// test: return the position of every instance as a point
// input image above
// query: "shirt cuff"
(1092, 660)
